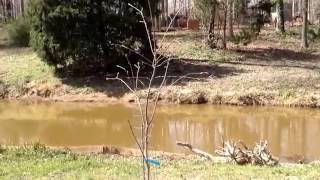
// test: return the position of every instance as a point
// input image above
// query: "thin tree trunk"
(14, 12)
(225, 28)
(305, 25)
(146, 148)
(22, 7)
(280, 11)
(299, 7)
(163, 16)
(309, 10)
(230, 18)
(3, 9)
(213, 18)
(293, 8)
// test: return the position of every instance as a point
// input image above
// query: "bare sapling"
(146, 89)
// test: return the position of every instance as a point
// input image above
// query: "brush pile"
(240, 154)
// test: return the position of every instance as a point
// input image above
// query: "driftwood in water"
(239, 153)
(196, 151)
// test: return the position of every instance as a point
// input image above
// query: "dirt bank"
(250, 82)
(270, 71)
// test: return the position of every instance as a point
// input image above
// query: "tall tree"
(230, 18)
(213, 5)
(22, 6)
(224, 40)
(305, 25)
(293, 8)
(280, 11)
(2, 3)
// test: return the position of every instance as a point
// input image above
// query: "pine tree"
(88, 34)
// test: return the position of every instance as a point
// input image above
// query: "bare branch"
(159, 92)
(133, 51)
(186, 77)
(146, 26)
(196, 151)
(135, 137)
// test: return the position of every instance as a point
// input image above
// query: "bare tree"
(230, 18)
(293, 8)
(12, 8)
(2, 3)
(304, 42)
(147, 100)
(224, 37)
(280, 10)
(22, 6)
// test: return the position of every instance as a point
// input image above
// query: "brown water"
(292, 133)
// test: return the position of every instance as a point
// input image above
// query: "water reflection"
(290, 132)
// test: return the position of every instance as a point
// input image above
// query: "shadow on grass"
(6, 46)
(279, 58)
(273, 54)
(180, 72)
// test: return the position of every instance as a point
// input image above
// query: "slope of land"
(272, 70)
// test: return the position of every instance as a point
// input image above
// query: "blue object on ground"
(153, 162)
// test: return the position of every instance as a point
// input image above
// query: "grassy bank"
(272, 70)
(37, 162)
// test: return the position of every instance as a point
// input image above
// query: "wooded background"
(292, 8)
(11, 8)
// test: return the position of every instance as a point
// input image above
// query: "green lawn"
(20, 66)
(192, 45)
(3, 34)
(37, 162)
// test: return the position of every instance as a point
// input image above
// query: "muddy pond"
(292, 133)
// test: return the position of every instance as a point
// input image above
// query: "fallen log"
(239, 153)
(196, 151)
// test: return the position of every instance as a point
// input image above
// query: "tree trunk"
(3, 9)
(280, 11)
(305, 25)
(225, 28)
(293, 9)
(14, 13)
(22, 7)
(230, 18)
(213, 18)
(299, 7)
(309, 11)
(211, 37)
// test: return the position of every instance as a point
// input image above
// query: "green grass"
(3, 34)
(20, 66)
(192, 45)
(37, 162)
(292, 39)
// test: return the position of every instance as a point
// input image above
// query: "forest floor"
(39, 162)
(272, 70)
